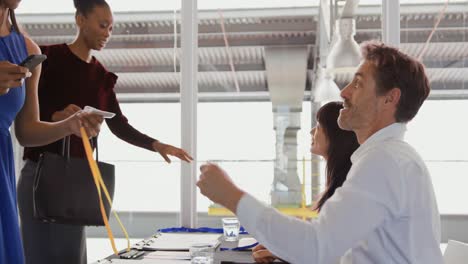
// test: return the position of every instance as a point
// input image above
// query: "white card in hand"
(92, 110)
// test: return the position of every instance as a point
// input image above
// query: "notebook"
(180, 241)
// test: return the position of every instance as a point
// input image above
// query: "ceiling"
(141, 51)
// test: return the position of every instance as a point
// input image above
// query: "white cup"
(231, 229)
(201, 253)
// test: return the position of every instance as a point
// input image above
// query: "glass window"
(144, 181)
(438, 133)
(66, 6)
(140, 52)
(240, 45)
(256, 58)
(241, 138)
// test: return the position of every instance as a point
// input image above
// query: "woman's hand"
(70, 110)
(165, 150)
(262, 255)
(11, 76)
(90, 122)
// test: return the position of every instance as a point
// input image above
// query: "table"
(220, 257)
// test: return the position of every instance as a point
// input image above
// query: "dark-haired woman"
(71, 79)
(18, 103)
(336, 146)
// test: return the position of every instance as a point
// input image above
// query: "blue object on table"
(208, 230)
(239, 248)
(198, 230)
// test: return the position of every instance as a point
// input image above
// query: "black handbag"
(64, 190)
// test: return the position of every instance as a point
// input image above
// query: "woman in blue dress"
(19, 103)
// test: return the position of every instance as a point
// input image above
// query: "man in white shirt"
(386, 211)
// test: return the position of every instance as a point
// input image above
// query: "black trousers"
(45, 242)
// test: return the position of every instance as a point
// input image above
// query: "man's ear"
(393, 96)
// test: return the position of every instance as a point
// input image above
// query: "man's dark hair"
(394, 69)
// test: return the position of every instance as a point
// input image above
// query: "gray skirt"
(45, 242)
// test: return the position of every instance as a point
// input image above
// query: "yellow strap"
(100, 184)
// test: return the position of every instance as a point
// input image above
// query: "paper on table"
(168, 255)
(180, 241)
(92, 110)
(145, 261)
(246, 241)
(102, 261)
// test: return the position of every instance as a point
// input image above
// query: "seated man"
(386, 211)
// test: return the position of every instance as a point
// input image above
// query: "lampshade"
(345, 53)
(326, 89)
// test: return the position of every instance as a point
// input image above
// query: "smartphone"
(32, 61)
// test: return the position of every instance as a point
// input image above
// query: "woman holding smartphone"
(18, 103)
(71, 79)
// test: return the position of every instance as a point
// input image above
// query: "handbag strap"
(66, 147)
(100, 184)
(94, 143)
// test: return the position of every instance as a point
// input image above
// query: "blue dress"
(13, 49)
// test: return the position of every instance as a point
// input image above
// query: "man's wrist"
(234, 200)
